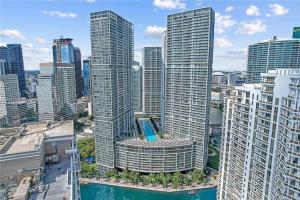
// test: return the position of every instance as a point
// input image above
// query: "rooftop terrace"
(29, 137)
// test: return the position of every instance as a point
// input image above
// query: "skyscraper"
(272, 54)
(3, 66)
(86, 74)
(137, 88)
(189, 57)
(78, 72)
(64, 67)
(152, 65)
(13, 55)
(112, 59)
(46, 93)
(296, 32)
(9, 94)
(260, 142)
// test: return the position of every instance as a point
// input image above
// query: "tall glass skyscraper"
(112, 60)
(189, 57)
(13, 55)
(78, 72)
(270, 55)
(86, 77)
(64, 67)
(152, 65)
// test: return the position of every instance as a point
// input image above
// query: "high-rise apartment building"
(9, 94)
(260, 142)
(2, 66)
(86, 74)
(78, 72)
(64, 67)
(152, 65)
(111, 61)
(137, 88)
(189, 57)
(46, 93)
(231, 79)
(163, 82)
(13, 55)
(296, 32)
(272, 54)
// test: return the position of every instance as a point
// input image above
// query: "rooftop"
(218, 74)
(30, 136)
(56, 182)
(158, 143)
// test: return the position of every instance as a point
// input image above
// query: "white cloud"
(223, 22)
(252, 11)
(252, 27)
(154, 31)
(12, 33)
(28, 45)
(33, 56)
(223, 42)
(278, 9)
(169, 4)
(90, 1)
(230, 60)
(40, 40)
(60, 14)
(2, 44)
(229, 9)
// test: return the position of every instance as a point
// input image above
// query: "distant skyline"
(35, 24)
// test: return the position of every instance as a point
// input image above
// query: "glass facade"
(296, 32)
(86, 77)
(14, 59)
(64, 78)
(270, 55)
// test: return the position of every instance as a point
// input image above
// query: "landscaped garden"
(213, 158)
(174, 180)
(165, 180)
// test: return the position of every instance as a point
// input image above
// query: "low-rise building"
(45, 152)
(216, 99)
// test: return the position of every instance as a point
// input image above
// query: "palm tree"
(176, 179)
(153, 179)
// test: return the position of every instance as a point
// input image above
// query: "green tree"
(176, 179)
(86, 148)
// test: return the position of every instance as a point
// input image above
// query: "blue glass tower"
(14, 59)
(65, 82)
(86, 77)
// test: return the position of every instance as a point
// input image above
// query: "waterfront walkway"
(211, 184)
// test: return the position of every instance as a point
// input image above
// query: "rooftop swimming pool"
(148, 131)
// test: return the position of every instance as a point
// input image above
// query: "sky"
(239, 23)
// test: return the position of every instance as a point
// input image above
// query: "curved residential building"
(161, 156)
(260, 143)
(270, 55)
(187, 79)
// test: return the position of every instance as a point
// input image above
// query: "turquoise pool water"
(106, 192)
(149, 132)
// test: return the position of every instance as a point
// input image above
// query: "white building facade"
(260, 143)
(188, 73)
